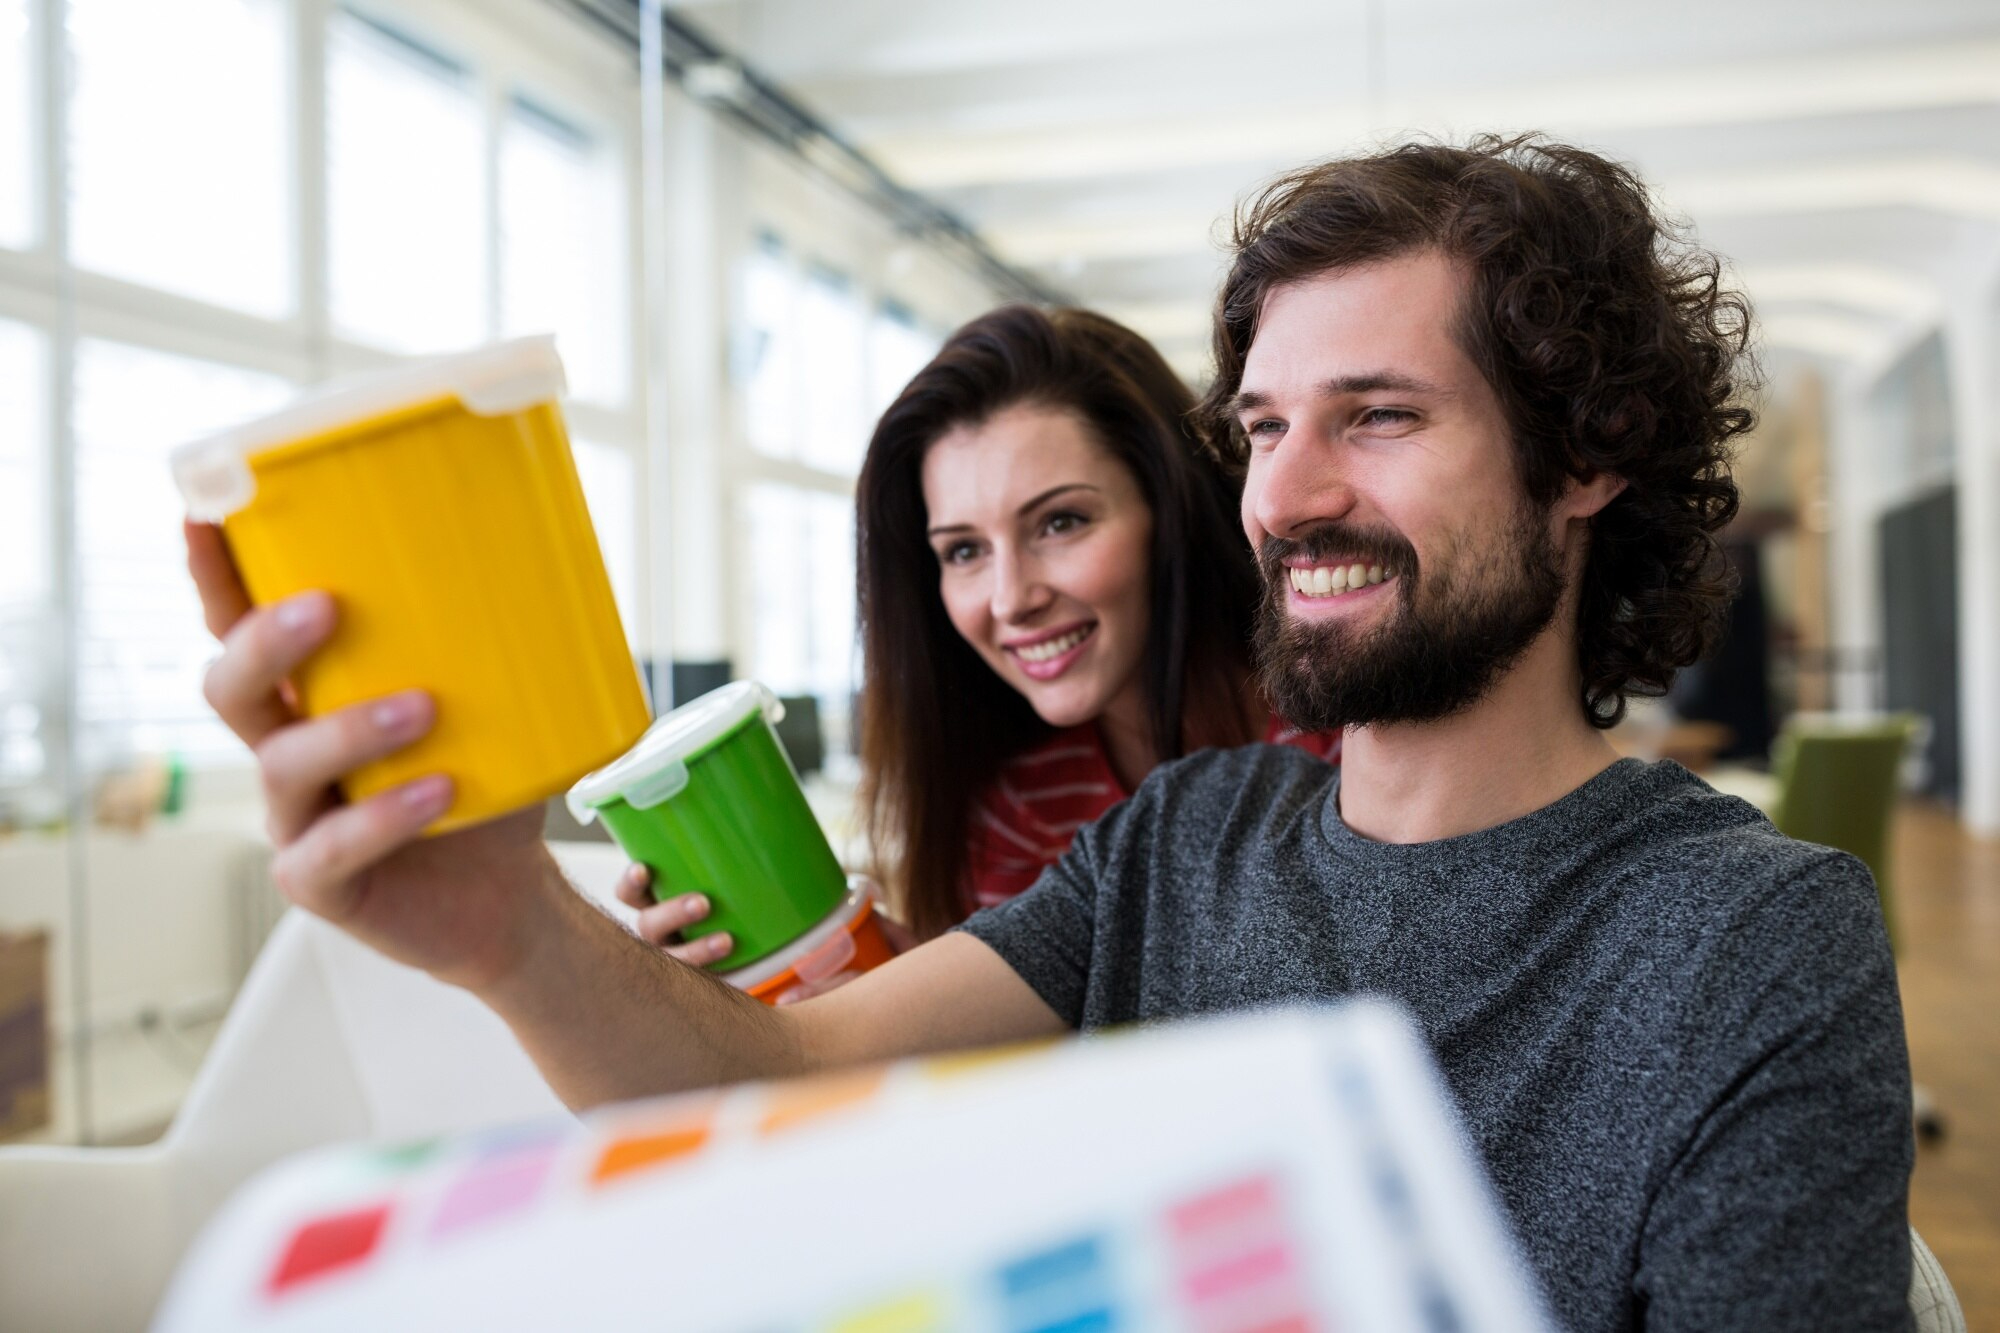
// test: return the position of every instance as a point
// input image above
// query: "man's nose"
(1301, 483)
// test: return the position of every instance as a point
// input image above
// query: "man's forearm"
(606, 1017)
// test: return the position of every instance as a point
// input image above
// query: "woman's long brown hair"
(936, 723)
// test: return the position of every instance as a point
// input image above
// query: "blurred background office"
(206, 205)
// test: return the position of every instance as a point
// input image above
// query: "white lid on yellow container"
(653, 771)
(214, 471)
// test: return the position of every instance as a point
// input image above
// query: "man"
(1484, 407)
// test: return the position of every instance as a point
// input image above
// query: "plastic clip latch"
(215, 482)
(826, 960)
(658, 787)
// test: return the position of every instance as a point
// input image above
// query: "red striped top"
(1042, 797)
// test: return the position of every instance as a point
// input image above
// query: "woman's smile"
(1046, 656)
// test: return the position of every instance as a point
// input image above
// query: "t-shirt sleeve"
(1785, 1205)
(1055, 933)
(1046, 933)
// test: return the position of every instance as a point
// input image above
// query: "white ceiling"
(1846, 156)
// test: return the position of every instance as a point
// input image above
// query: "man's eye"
(1265, 428)
(1387, 416)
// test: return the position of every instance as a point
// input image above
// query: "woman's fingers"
(321, 871)
(662, 923)
(262, 648)
(301, 763)
(635, 887)
(701, 952)
(223, 599)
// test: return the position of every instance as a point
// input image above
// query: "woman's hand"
(458, 905)
(660, 923)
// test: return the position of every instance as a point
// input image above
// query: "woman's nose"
(1018, 589)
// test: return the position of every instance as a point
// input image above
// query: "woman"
(1055, 597)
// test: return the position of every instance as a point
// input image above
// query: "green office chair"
(1837, 784)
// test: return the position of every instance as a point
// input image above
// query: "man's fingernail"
(719, 944)
(395, 713)
(695, 906)
(296, 613)
(431, 793)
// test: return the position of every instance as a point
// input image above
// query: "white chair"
(326, 1042)
(1934, 1305)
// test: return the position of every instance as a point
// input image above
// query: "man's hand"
(602, 1015)
(462, 906)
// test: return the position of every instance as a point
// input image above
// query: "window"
(610, 489)
(142, 641)
(406, 191)
(801, 363)
(834, 432)
(562, 248)
(17, 126)
(802, 632)
(768, 355)
(897, 350)
(23, 445)
(179, 151)
(24, 633)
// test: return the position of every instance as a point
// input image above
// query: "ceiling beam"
(1956, 74)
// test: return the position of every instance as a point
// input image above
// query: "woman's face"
(1043, 543)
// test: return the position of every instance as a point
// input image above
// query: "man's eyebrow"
(1373, 381)
(1042, 499)
(1379, 381)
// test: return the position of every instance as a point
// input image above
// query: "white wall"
(1878, 458)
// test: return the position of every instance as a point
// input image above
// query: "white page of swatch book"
(1293, 1170)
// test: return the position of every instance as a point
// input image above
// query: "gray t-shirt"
(1673, 1033)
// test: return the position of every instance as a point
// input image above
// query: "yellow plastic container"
(439, 504)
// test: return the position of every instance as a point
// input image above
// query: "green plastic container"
(708, 801)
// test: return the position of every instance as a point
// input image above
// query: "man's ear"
(1585, 496)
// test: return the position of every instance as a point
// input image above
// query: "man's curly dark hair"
(1607, 335)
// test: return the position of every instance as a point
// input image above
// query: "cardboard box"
(24, 1032)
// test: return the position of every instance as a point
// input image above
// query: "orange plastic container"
(849, 940)
(439, 504)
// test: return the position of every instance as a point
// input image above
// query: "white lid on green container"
(214, 471)
(653, 771)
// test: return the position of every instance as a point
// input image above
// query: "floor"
(1947, 895)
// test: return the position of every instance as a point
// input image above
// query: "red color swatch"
(330, 1244)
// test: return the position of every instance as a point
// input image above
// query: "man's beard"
(1451, 636)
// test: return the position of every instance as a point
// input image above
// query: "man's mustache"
(1318, 545)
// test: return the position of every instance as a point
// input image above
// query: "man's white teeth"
(1332, 580)
(1042, 652)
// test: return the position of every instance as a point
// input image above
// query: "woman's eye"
(1062, 521)
(958, 553)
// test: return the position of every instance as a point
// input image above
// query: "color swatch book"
(1281, 1172)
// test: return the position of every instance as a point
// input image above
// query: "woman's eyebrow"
(1040, 500)
(1052, 492)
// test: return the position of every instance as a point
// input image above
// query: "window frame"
(514, 48)
(872, 283)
